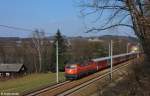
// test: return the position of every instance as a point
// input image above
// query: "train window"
(71, 66)
(85, 63)
(82, 64)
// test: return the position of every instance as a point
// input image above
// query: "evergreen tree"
(61, 53)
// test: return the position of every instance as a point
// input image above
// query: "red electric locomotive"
(74, 71)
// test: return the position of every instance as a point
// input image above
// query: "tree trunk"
(40, 61)
(141, 26)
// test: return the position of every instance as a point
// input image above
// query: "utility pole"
(109, 48)
(128, 47)
(57, 69)
(111, 59)
(138, 52)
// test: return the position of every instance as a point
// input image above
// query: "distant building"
(11, 70)
(95, 40)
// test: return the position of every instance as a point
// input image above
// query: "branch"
(123, 18)
(112, 17)
(101, 12)
(107, 7)
(101, 29)
(92, 12)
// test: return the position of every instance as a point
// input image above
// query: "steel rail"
(46, 89)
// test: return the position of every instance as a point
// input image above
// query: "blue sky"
(48, 15)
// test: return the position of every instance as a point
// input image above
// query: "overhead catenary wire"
(21, 29)
(16, 28)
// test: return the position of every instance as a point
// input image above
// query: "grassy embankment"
(29, 82)
(135, 83)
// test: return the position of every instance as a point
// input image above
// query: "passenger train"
(78, 70)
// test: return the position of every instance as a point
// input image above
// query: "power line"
(16, 28)
(22, 29)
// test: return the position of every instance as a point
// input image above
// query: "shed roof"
(10, 67)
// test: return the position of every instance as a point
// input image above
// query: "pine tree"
(61, 51)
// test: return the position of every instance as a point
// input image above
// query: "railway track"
(88, 83)
(46, 89)
(71, 87)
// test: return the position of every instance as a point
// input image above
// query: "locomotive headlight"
(135, 49)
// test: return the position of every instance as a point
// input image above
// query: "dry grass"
(28, 82)
(135, 83)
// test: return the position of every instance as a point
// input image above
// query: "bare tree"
(2, 55)
(120, 13)
(38, 38)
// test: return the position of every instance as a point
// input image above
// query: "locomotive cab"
(71, 71)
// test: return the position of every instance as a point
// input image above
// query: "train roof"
(120, 55)
(100, 59)
(115, 56)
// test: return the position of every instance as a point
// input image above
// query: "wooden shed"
(11, 70)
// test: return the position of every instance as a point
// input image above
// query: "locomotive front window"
(71, 66)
